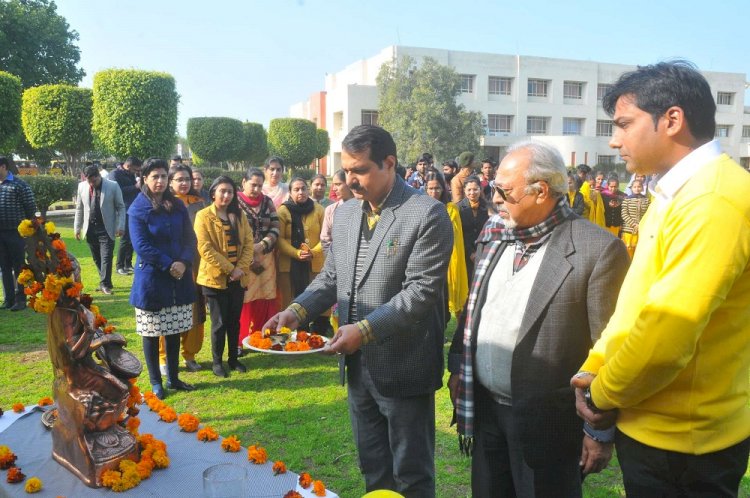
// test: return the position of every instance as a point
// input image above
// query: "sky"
(253, 59)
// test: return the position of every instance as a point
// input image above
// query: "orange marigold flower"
(290, 346)
(132, 424)
(144, 468)
(33, 485)
(7, 458)
(99, 321)
(315, 341)
(319, 488)
(74, 290)
(265, 343)
(15, 475)
(257, 454)
(58, 245)
(292, 494)
(207, 434)
(279, 468)
(188, 422)
(302, 336)
(45, 401)
(230, 444)
(303, 346)
(110, 478)
(109, 329)
(168, 415)
(305, 480)
(19, 408)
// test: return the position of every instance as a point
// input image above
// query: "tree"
(216, 139)
(49, 189)
(418, 106)
(58, 117)
(323, 143)
(257, 143)
(295, 140)
(10, 111)
(37, 45)
(135, 113)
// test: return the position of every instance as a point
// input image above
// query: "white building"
(554, 100)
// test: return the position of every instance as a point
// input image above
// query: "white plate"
(246, 344)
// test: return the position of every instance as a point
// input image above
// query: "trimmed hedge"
(323, 143)
(135, 112)
(49, 189)
(257, 138)
(210, 174)
(10, 110)
(216, 139)
(295, 140)
(58, 117)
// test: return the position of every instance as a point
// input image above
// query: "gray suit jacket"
(572, 298)
(112, 206)
(400, 290)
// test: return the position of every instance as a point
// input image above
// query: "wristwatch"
(589, 400)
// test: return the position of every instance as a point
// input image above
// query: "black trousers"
(395, 437)
(151, 354)
(125, 251)
(225, 306)
(102, 248)
(650, 472)
(12, 257)
(498, 467)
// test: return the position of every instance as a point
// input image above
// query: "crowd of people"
(587, 317)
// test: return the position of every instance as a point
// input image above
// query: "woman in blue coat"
(163, 289)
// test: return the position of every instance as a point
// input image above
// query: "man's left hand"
(119, 233)
(347, 340)
(599, 420)
(595, 456)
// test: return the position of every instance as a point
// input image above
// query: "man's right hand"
(453, 382)
(286, 318)
(78, 235)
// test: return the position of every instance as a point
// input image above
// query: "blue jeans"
(102, 248)
(12, 257)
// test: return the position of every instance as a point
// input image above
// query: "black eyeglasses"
(504, 193)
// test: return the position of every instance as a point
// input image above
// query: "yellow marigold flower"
(26, 228)
(230, 444)
(7, 458)
(33, 485)
(160, 458)
(26, 276)
(50, 227)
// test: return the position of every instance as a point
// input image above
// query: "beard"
(509, 222)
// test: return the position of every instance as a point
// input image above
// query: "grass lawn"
(290, 405)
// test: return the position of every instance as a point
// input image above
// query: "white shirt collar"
(674, 179)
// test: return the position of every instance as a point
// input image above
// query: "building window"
(369, 117)
(499, 123)
(745, 162)
(725, 98)
(467, 83)
(603, 128)
(601, 90)
(338, 121)
(605, 160)
(536, 125)
(722, 131)
(537, 88)
(573, 90)
(499, 85)
(746, 132)
(572, 126)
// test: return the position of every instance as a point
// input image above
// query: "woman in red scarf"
(259, 303)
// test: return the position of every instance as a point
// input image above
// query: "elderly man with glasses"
(545, 284)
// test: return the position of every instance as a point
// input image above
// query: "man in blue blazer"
(100, 217)
(386, 270)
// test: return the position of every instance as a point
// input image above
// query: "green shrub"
(216, 139)
(135, 112)
(323, 143)
(257, 138)
(306, 173)
(58, 117)
(10, 111)
(295, 140)
(49, 189)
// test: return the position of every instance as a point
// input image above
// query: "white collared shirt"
(673, 180)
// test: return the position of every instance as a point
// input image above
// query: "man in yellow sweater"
(671, 367)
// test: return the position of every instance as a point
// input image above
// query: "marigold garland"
(207, 434)
(45, 401)
(15, 475)
(319, 488)
(33, 485)
(26, 228)
(188, 422)
(305, 480)
(257, 454)
(19, 408)
(230, 444)
(279, 467)
(132, 425)
(7, 457)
